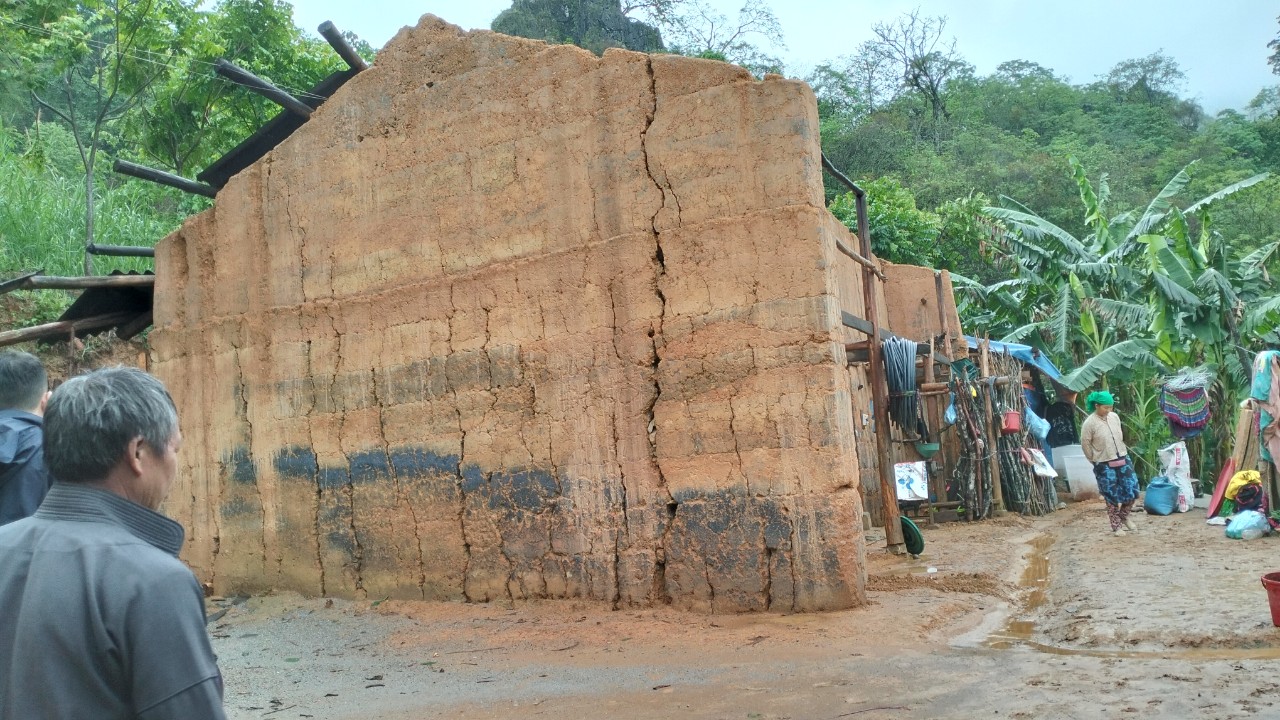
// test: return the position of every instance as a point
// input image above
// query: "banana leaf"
(1128, 354)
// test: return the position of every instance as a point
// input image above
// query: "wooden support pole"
(850, 320)
(863, 353)
(64, 328)
(930, 408)
(993, 432)
(121, 250)
(876, 378)
(941, 387)
(879, 396)
(339, 44)
(943, 325)
(125, 167)
(864, 262)
(262, 87)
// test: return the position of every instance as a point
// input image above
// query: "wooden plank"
(863, 354)
(854, 322)
(143, 172)
(64, 328)
(339, 44)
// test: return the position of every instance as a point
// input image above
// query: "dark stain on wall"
(241, 466)
(736, 547)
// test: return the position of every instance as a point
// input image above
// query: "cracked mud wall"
(506, 320)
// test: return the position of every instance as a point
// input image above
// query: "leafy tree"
(102, 56)
(900, 231)
(1154, 287)
(193, 116)
(1154, 77)
(591, 24)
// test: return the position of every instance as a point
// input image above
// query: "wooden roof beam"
(241, 76)
(124, 167)
(339, 44)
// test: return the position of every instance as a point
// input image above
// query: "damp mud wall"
(508, 321)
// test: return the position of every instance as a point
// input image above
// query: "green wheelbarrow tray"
(912, 537)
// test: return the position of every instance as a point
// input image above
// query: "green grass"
(42, 213)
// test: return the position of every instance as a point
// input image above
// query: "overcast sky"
(1220, 45)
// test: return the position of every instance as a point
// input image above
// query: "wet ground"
(1019, 618)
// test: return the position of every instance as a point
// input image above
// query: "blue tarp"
(1027, 354)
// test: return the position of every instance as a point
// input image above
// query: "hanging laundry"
(1185, 403)
(1266, 392)
(1186, 410)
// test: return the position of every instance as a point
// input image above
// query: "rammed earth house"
(510, 320)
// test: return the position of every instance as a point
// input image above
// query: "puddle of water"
(1018, 630)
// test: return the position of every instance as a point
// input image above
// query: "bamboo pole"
(993, 433)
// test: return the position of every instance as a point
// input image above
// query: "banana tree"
(1142, 293)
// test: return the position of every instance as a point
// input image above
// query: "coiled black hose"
(900, 374)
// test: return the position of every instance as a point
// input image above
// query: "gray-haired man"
(98, 617)
(24, 389)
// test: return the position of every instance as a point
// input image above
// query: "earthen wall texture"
(508, 321)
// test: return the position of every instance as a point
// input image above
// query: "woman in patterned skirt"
(1102, 440)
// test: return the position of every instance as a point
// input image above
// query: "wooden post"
(943, 325)
(879, 395)
(125, 167)
(993, 432)
(875, 371)
(930, 406)
(243, 77)
(339, 44)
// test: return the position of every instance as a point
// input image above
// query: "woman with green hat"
(1102, 440)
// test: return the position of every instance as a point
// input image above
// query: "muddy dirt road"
(1051, 618)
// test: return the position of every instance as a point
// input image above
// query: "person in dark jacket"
(98, 616)
(24, 390)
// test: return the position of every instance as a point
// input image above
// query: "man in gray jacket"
(98, 617)
(24, 389)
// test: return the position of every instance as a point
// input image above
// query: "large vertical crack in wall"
(545, 325)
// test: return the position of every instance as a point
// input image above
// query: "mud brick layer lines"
(506, 320)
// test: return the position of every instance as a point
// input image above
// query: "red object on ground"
(1271, 581)
(1219, 490)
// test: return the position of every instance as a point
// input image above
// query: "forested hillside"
(1114, 224)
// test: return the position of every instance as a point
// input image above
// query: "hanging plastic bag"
(949, 417)
(1038, 426)
(1174, 461)
(1247, 525)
